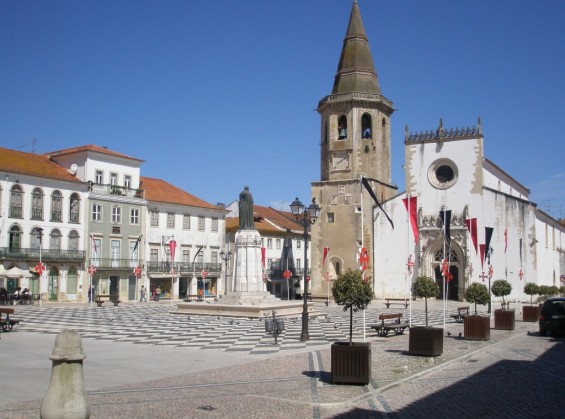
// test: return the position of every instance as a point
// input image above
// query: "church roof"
(356, 70)
(158, 190)
(19, 162)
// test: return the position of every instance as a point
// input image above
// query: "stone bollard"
(66, 396)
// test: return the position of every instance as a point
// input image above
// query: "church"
(461, 218)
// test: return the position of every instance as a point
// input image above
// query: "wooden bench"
(384, 327)
(462, 312)
(113, 298)
(7, 324)
(403, 301)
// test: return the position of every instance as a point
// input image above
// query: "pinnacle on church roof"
(356, 70)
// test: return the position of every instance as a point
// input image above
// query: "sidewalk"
(218, 384)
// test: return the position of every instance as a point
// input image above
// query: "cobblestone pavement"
(514, 374)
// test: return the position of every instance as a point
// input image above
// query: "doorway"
(452, 286)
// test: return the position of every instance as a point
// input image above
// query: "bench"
(192, 297)
(462, 312)
(113, 298)
(7, 324)
(403, 301)
(384, 327)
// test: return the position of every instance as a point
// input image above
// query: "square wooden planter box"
(351, 364)
(504, 319)
(476, 327)
(530, 313)
(426, 341)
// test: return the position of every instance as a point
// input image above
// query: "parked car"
(552, 316)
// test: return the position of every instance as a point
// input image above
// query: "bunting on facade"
(445, 216)
(488, 238)
(326, 252)
(94, 245)
(472, 227)
(482, 249)
(365, 183)
(411, 205)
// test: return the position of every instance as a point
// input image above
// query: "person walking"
(143, 296)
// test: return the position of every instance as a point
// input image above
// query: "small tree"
(531, 289)
(478, 294)
(501, 288)
(351, 292)
(544, 290)
(553, 290)
(425, 287)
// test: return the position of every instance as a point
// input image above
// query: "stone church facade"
(445, 169)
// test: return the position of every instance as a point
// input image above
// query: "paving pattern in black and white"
(155, 324)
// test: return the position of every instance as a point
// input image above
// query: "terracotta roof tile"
(268, 220)
(159, 190)
(90, 147)
(12, 161)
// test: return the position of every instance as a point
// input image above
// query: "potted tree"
(530, 313)
(477, 327)
(425, 340)
(504, 319)
(351, 361)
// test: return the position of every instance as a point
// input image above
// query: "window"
(298, 244)
(115, 245)
(154, 255)
(214, 257)
(366, 126)
(298, 263)
(342, 127)
(55, 240)
(15, 237)
(99, 177)
(442, 173)
(186, 222)
(214, 224)
(96, 249)
(154, 216)
(37, 204)
(56, 206)
(113, 179)
(73, 240)
(96, 212)
(170, 220)
(134, 250)
(116, 214)
(269, 243)
(35, 238)
(74, 209)
(201, 223)
(186, 255)
(200, 259)
(278, 243)
(16, 202)
(134, 216)
(127, 181)
(330, 217)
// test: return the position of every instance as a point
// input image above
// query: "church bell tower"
(355, 143)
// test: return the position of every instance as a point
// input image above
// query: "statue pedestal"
(248, 273)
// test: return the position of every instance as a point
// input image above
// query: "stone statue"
(246, 210)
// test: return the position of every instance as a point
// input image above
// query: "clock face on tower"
(340, 161)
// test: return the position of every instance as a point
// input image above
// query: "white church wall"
(550, 254)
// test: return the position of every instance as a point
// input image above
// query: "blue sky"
(217, 94)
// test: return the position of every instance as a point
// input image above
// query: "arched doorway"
(451, 285)
(53, 284)
(432, 261)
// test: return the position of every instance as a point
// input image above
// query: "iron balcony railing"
(109, 263)
(117, 190)
(48, 255)
(185, 268)
(15, 212)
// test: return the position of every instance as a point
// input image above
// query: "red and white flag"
(94, 247)
(411, 205)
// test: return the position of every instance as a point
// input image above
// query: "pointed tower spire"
(356, 70)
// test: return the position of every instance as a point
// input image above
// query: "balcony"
(109, 263)
(117, 191)
(47, 255)
(184, 268)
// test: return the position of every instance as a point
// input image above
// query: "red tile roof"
(268, 220)
(90, 147)
(19, 162)
(158, 190)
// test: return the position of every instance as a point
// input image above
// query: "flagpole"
(407, 272)
(444, 258)
(362, 246)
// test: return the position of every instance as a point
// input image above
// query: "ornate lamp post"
(305, 217)
(226, 258)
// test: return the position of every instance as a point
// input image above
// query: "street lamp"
(226, 258)
(305, 217)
